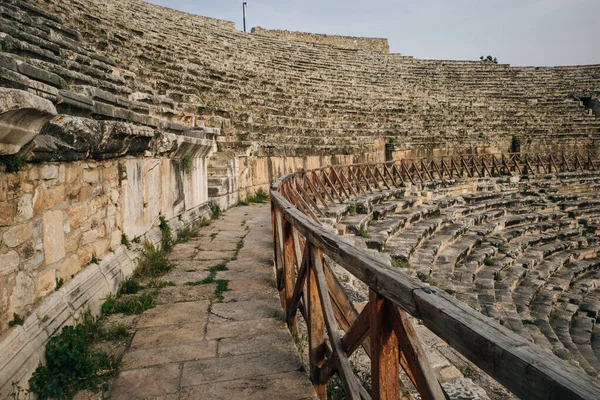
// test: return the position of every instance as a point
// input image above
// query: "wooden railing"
(304, 252)
(319, 189)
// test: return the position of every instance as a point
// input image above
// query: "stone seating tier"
(521, 253)
(276, 91)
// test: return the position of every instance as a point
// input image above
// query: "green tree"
(488, 59)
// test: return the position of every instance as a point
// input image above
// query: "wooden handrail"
(307, 285)
(331, 182)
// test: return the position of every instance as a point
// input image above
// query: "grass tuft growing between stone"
(17, 320)
(467, 370)
(13, 163)
(128, 305)
(187, 164)
(260, 197)
(426, 278)
(397, 263)
(96, 332)
(125, 241)
(167, 235)
(215, 210)
(186, 233)
(159, 283)
(238, 247)
(72, 363)
(129, 286)
(153, 262)
(362, 232)
(222, 284)
(352, 209)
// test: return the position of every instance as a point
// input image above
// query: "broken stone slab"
(22, 116)
(146, 383)
(240, 367)
(74, 138)
(286, 385)
(153, 356)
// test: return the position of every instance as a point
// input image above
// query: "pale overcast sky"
(519, 32)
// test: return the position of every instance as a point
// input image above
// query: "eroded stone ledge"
(22, 115)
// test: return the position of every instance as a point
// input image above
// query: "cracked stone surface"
(193, 346)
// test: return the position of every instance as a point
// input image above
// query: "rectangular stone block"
(87, 287)
(148, 383)
(290, 385)
(18, 234)
(77, 215)
(54, 236)
(172, 354)
(238, 367)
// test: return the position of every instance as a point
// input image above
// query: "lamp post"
(244, 6)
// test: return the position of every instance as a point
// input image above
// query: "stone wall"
(573, 142)
(54, 217)
(379, 45)
(260, 171)
(253, 170)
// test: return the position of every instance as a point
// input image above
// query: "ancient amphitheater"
(433, 233)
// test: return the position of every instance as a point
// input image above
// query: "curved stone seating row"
(41, 55)
(523, 253)
(273, 90)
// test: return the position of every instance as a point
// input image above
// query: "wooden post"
(274, 233)
(289, 273)
(316, 333)
(279, 254)
(413, 360)
(384, 351)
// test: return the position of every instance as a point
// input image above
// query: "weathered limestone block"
(49, 171)
(25, 209)
(69, 267)
(87, 287)
(23, 292)
(53, 196)
(46, 281)
(18, 234)
(153, 186)
(74, 138)
(54, 312)
(77, 215)
(53, 236)
(102, 246)
(22, 115)
(9, 262)
(21, 354)
(7, 213)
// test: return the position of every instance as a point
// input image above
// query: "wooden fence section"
(336, 328)
(319, 189)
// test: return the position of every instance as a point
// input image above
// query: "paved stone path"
(194, 346)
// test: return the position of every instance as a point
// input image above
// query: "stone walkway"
(194, 346)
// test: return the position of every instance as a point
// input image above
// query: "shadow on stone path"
(193, 346)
